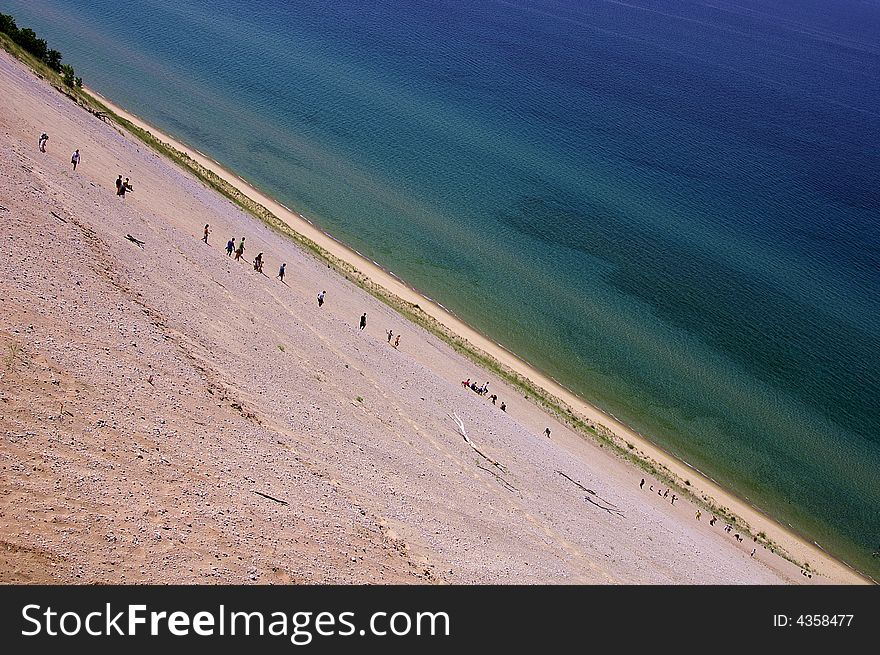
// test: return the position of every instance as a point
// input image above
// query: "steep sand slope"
(189, 382)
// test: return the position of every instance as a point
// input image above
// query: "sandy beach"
(172, 415)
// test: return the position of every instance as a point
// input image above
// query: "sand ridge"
(190, 382)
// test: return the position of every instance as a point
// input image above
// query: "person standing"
(321, 298)
(43, 138)
(390, 335)
(397, 341)
(74, 158)
(642, 484)
(281, 272)
(547, 432)
(363, 323)
(230, 246)
(118, 185)
(503, 406)
(205, 239)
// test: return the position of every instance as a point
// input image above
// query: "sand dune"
(158, 402)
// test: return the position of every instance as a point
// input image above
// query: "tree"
(68, 74)
(79, 82)
(7, 25)
(28, 40)
(53, 60)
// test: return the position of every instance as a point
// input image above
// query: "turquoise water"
(672, 207)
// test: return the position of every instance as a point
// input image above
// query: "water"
(671, 206)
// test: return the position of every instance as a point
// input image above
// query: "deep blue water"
(672, 207)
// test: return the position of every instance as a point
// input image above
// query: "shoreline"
(794, 546)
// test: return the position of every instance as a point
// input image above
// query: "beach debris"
(608, 506)
(135, 240)
(504, 483)
(58, 217)
(470, 443)
(260, 493)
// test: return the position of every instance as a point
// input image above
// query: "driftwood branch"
(260, 493)
(135, 240)
(503, 482)
(58, 217)
(609, 507)
(470, 443)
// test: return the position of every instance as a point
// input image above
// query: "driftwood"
(470, 443)
(503, 482)
(260, 493)
(609, 507)
(135, 240)
(58, 217)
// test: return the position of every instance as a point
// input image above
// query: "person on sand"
(258, 262)
(74, 158)
(674, 498)
(321, 298)
(42, 142)
(240, 250)
(122, 188)
(466, 383)
(205, 238)
(280, 275)
(666, 493)
(390, 334)
(547, 432)
(118, 184)
(363, 323)
(712, 521)
(493, 398)
(698, 514)
(230, 246)
(642, 484)
(503, 406)
(754, 550)
(397, 341)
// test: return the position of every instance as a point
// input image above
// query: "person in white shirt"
(74, 158)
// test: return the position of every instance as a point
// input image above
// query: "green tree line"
(28, 40)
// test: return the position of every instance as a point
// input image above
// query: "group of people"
(698, 515)
(396, 338)
(44, 139)
(482, 391)
(238, 251)
(663, 494)
(122, 186)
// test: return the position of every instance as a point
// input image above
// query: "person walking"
(642, 484)
(281, 272)
(547, 432)
(258, 263)
(390, 334)
(122, 188)
(230, 246)
(74, 158)
(503, 406)
(118, 184)
(397, 341)
(363, 323)
(321, 298)
(43, 139)
(205, 238)
(240, 250)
